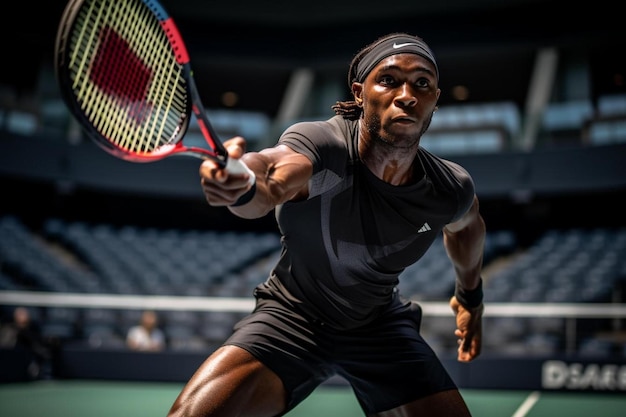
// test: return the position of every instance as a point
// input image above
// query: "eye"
(387, 80)
(422, 83)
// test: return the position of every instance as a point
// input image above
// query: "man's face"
(22, 317)
(399, 97)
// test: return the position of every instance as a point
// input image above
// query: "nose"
(405, 97)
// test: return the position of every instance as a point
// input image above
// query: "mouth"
(403, 120)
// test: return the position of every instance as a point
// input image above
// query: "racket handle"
(237, 166)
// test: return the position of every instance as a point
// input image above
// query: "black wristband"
(245, 198)
(469, 298)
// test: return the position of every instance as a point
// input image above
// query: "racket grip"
(237, 166)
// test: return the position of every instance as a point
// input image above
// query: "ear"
(357, 91)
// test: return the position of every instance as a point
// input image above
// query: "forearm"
(280, 177)
(465, 248)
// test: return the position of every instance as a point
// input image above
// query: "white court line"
(527, 404)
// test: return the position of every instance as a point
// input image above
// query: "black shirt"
(345, 246)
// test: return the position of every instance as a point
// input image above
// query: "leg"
(442, 404)
(231, 382)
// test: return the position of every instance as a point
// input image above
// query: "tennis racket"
(125, 75)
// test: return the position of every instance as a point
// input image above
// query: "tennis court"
(70, 398)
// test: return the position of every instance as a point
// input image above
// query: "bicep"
(464, 239)
(464, 242)
(472, 215)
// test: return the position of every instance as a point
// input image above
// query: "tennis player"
(357, 200)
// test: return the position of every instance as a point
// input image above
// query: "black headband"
(393, 46)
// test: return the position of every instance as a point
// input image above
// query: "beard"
(378, 134)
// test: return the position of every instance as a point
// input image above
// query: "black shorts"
(387, 362)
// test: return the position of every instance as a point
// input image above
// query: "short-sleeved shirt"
(145, 340)
(331, 305)
(344, 247)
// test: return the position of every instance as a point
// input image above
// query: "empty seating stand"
(254, 126)
(563, 122)
(574, 265)
(473, 128)
(130, 260)
(608, 125)
(570, 265)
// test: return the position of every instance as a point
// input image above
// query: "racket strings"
(168, 78)
(125, 76)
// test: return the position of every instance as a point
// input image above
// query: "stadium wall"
(567, 373)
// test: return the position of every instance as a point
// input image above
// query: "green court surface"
(137, 399)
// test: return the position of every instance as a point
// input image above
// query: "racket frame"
(194, 104)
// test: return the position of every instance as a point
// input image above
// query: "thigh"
(442, 404)
(231, 382)
(288, 344)
(389, 364)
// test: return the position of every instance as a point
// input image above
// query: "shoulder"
(320, 140)
(318, 130)
(451, 177)
(445, 171)
(135, 330)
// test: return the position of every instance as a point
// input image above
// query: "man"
(357, 201)
(146, 336)
(23, 333)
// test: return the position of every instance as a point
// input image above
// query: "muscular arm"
(281, 175)
(464, 242)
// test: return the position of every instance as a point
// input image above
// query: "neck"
(391, 164)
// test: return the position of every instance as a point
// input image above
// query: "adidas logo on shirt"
(424, 228)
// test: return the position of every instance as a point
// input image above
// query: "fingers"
(211, 170)
(467, 354)
(469, 346)
(221, 187)
(468, 332)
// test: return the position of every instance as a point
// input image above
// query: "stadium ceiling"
(322, 26)
(347, 23)
(319, 13)
(256, 44)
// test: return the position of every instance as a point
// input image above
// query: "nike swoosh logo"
(401, 45)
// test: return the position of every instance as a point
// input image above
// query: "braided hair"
(350, 109)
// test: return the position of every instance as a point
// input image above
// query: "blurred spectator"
(146, 336)
(24, 334)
